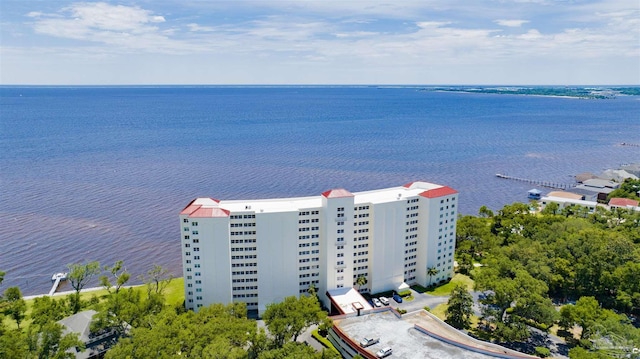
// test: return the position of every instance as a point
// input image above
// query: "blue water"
(89, 173)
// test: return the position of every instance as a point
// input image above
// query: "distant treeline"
(579, 92)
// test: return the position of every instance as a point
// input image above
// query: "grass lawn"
(439, 311)
(447, 288)
(174, 295)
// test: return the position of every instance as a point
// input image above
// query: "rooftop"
(197, 207)
(623, 202)
(348, 300)
(407, 341)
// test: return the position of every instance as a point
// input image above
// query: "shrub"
(543, 352)
(404, 293)
(324, 341)
(426, 307)
(401, 311)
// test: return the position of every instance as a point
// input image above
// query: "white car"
(384, 352)
(376, 302)
(384, 300)
(367, 342)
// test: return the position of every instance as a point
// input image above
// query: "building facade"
(261, 251)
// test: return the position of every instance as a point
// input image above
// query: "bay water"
(101, 173)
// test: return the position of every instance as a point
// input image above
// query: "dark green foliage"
(530, 259)
(542, 352)
(628, 189)
(46, 309)
(79, 276)
(460, 308)
(289, 318)
(14, 306)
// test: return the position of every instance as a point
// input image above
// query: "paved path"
(306, 337)
(419, 301)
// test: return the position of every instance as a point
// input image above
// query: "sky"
(426, 42)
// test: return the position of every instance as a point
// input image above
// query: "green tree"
(79, 276)
(119, 274)
(628, 189)
(513, 297)
(216, 331)
(13, 344)
(459, 308)
(484, 211)
(551, 208)
(120, 310)
(46, 309)
(287, 319)
(47, 341)
(15, 306)
(431, 271)
(360, 281)
(157, 280)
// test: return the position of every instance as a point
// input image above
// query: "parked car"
(384, 300)
(397, 298)
(367, 342)
(376, 302)
(384, 352)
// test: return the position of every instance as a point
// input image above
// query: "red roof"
(209, 212)
(439, 192)
(408, 185)
(337, 193)
(623, 202)
(190, 208)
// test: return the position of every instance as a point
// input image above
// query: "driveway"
(420, 300)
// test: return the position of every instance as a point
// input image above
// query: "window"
(194, 223)
(186, 220)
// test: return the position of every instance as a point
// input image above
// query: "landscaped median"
(324, 341)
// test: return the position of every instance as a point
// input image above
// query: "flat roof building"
(261, 251)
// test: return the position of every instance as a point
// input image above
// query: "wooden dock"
(57, 278)
(547, 184)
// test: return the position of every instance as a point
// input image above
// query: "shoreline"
(67, 292)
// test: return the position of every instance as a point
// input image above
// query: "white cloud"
(511, 23)
(350, 37)
(532, 34)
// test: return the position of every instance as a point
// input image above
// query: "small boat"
(61, 276)
(534, 194)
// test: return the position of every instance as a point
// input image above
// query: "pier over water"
(57, 278)
(536, 182)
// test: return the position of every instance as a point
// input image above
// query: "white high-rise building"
(261, 251)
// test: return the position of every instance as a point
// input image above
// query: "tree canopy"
(531, 260)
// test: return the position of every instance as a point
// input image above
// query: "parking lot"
(419, 301)
(401, 336)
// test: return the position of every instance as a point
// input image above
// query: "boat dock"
(536, 182)
(57, 278)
